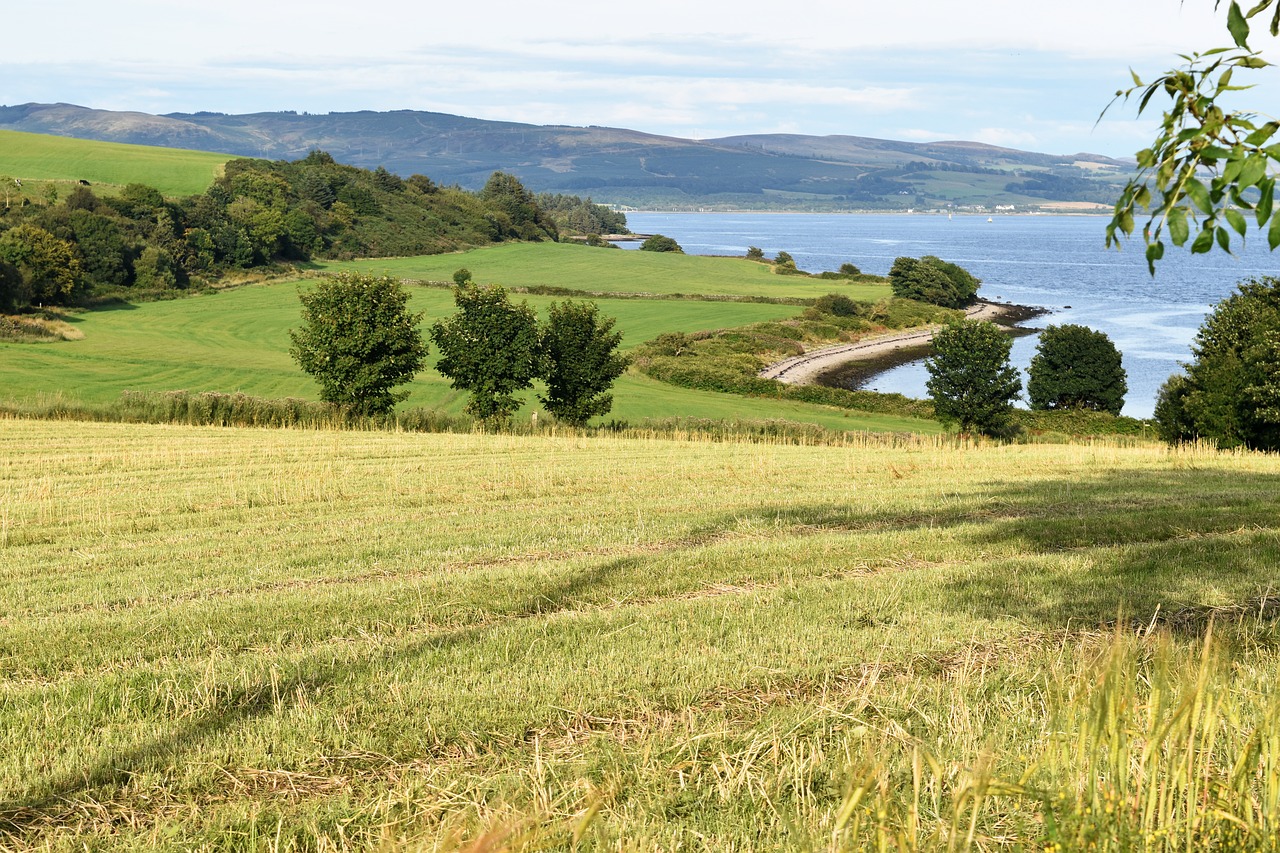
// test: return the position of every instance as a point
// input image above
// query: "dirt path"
(803, 369)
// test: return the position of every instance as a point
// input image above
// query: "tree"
(579, 354)
(933, 280)
(48, 264)
(1231, 391)
(490, 348)
(1076, 367)
(462, 277)
(784, 259)
(970, 378)
(515, 210)
(661, 243)
(1198, 137)
(14, 293)
(755, 253)
(359, 340)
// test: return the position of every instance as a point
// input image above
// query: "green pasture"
(230, 639)
(588, 268)
(38, 159)
(237, 340)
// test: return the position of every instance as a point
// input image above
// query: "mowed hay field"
(39, 159)
(312, 640)
(614, 271)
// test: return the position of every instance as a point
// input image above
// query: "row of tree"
(359, 341)
(973, 385)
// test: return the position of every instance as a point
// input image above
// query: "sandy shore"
(804, 369)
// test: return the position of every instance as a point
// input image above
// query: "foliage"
(462, 277)
(1076, 367)
(849, 269)
(49, 267)
(784, 259)
(970, 379)
(574, 215)
(933, 280)
(359, 340)
(514, 211)
(755, 253)
(1231, 392)
(579, 350)
(489, 348)
(1198, 136)
(661, 243)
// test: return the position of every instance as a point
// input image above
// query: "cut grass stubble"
(334, 638)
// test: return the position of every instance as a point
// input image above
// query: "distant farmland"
(54, 159)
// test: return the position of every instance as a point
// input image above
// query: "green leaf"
(1265, 200)
(1203, 242)
(1178, 230)
(1262, 134)
(1236, 220)
(1237, 25)
(1273, 233)
(1224, 239)
(1253, 171)
(1199, 195)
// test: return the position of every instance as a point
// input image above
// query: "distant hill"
(626, 167)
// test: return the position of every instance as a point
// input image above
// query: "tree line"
(359, 341)
(259, 213)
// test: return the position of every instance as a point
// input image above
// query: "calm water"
(1054, 262)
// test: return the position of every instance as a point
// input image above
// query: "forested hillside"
(257, 213)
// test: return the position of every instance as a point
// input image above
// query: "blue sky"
(1022, 73)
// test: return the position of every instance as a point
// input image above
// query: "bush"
(1076, 367)
(931, 279)
(661, 243)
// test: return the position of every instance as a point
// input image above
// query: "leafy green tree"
(850, 270)
(784, 259)
(359, 340)
(490, 348)
(517, 212)
(755, 253)
(970, 379)
(48, 264)
(14, 293)
(462, 277)
(1199, 139)
(579, 350)
(933, 280)
(156, 269)
(661, 243)
(1231, 391)
(1076, 367)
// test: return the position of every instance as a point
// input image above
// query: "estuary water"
(1058, 263)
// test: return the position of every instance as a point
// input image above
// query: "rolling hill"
(625, 167)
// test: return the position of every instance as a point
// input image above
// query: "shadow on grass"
(1152, 546)
(50, 801)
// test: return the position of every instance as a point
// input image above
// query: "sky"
(1025, 74)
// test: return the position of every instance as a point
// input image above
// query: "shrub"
(661, 243)
(931, 279)
(970, 379)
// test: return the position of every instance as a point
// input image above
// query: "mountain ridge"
(620, 165)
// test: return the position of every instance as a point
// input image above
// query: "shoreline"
(862, 360)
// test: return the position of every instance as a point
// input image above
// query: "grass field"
(614, 271)
(294, 640)
(237, 340)
(38, 159)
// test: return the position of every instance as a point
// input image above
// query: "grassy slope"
(587, 268)
(38, 158)
(215, 635)
(238, 341)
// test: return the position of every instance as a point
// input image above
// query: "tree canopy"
(1230, 393)
(1076, 367)
(933, 280)
(490, 348)
(580, 356)
(359, 340)
(970, 379)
